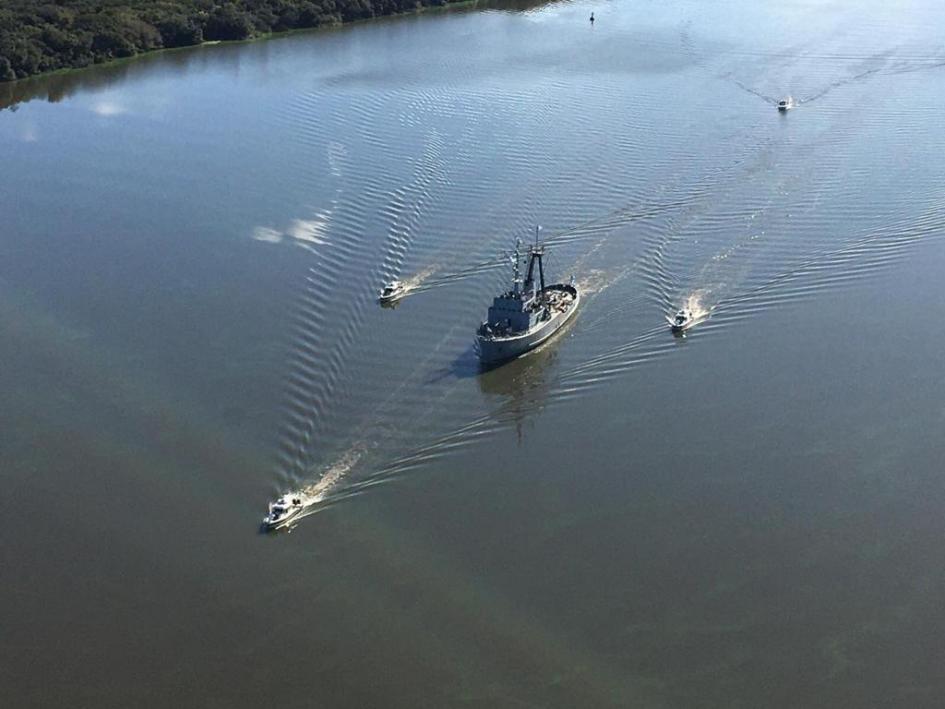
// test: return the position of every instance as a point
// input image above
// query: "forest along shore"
(37, 38)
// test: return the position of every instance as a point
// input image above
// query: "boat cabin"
(391, 288)
(523, 307)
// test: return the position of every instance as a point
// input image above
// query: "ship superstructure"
(529, 313)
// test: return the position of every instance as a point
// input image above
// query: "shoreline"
(457, 5)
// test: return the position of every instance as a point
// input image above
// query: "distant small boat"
(786, 104)
(682, 320)
(392, 292)
(282, 511)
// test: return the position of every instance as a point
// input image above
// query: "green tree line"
(37, 36)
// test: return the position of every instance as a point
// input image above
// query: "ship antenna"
(537, 229)
(517, 274)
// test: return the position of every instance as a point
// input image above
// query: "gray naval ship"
(524, 317)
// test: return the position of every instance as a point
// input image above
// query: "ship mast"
(517, 269)
(536, 254)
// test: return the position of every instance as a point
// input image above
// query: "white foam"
(320, 489)
(695, 303)
(311, 231)
(267, 234)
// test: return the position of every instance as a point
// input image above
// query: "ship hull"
(495, 350)
(271, 526)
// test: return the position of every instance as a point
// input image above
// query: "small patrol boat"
(282, 511)
(786, 104)
(527, 315)
(682, 320)
(392, 292)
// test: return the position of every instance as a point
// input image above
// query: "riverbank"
(59, 84)
(44, 40)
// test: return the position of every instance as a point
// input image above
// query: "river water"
(750, 515)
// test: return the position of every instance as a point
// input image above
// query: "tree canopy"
(37, 36)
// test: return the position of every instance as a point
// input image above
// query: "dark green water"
(750, 516)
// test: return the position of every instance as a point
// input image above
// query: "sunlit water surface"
(191, 246)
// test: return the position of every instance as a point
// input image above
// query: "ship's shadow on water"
(465, 366)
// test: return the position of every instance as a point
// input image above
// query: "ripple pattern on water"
(432, 183)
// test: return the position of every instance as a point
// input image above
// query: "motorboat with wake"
(786, 104)
(392, 292)
(682, 320)
(527, 315)
(283, 511)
